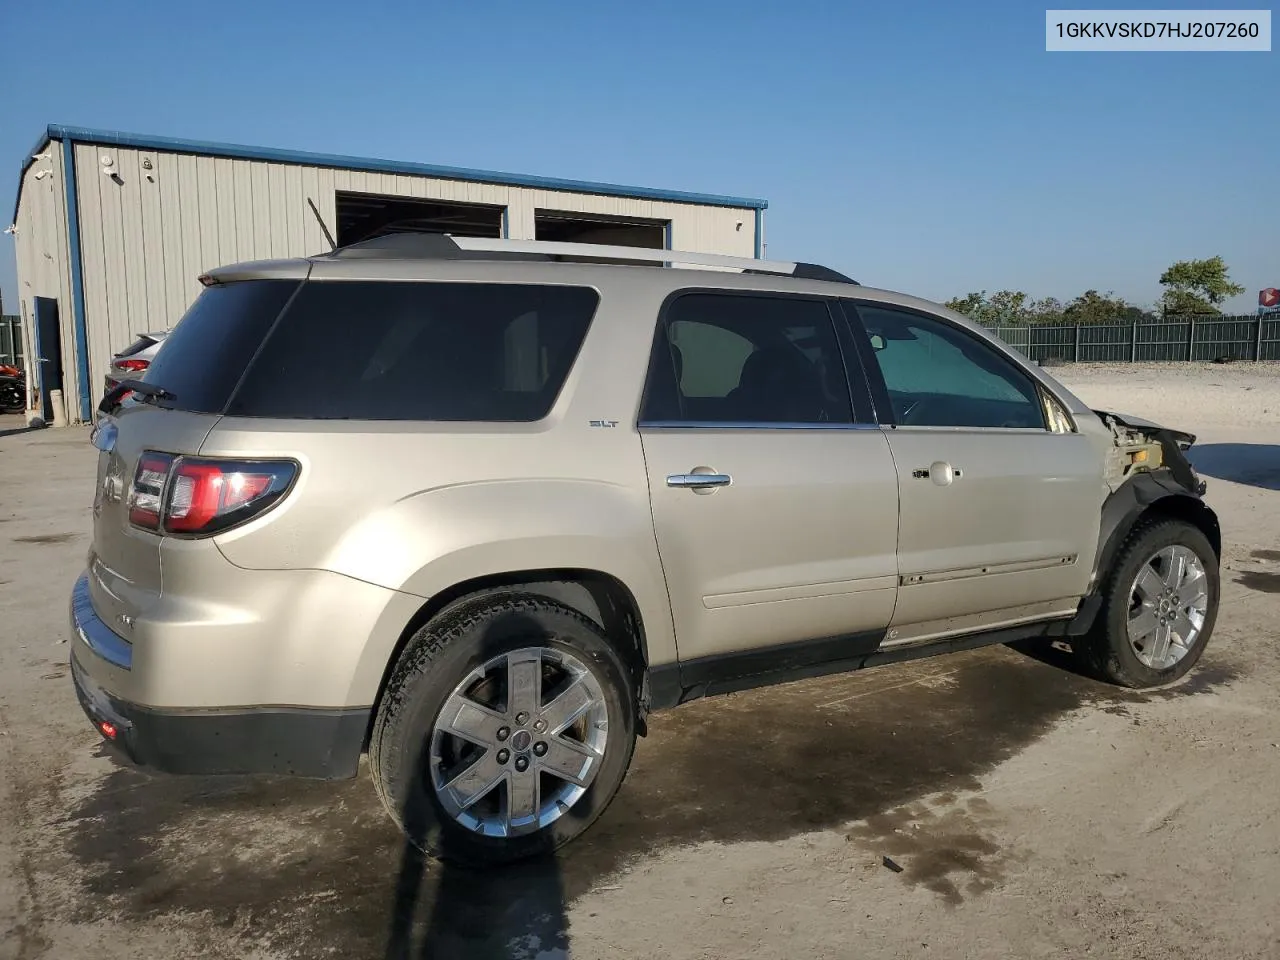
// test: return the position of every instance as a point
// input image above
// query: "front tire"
(1159, 609)
(505, 730)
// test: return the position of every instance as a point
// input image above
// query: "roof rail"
(443, 246)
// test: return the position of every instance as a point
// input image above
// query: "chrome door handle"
(695, 480)
(940, 472)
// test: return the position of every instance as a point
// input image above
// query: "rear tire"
(465, 671)
(12, 398)
(1165, 577)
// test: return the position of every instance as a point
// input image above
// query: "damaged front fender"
(1147, 471)
(1145, 447)
(1183, 439)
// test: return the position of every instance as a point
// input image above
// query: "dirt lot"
(1033, 813)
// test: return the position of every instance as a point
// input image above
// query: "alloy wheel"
(1168, 602)
(518, 741)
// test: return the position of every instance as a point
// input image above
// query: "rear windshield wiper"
(117, 393)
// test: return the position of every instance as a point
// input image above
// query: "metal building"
(113, 229)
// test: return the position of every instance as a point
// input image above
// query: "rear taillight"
(196, 497)
(132, 365)
(146, 499)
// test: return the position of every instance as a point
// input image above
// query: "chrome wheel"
(518, 741)
(1168, 603)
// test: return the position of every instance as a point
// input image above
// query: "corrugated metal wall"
(147, 234)
(44, 262)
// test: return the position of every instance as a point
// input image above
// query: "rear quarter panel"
(419, 507)
(124, 561)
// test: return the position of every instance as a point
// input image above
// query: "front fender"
(1126, 506)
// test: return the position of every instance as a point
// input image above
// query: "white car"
(132, 362)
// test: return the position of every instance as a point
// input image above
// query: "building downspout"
(759, 233)
(77, 278)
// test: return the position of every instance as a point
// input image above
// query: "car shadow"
(308, 868)
(1203, 677)
(1051, 653)
(1251, 464)
(440, 909)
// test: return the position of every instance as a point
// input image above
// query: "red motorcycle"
(13, 389)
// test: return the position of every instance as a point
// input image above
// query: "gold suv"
(476, 507)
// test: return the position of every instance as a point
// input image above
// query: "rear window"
(136, 347)
(418, 351)
(209, 348)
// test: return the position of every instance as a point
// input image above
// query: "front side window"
(747, 359)
(939, 376)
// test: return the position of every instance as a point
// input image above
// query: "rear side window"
(356, 350)
(747, 359)
(201, 361)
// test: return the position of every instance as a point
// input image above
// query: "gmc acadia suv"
(540, 498)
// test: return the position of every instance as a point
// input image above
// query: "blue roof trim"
(27, 161)
(57, 131)
(77, 277)
(36, 149)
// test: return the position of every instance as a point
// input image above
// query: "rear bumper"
(323, 743)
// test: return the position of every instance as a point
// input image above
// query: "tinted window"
(142, 343)
(939, 376)
(418, 351)
(206, 354)
(747, 359)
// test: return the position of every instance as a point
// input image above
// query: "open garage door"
(362, 216)
(566, 227)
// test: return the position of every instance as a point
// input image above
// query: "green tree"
(1047, 310)
(1094, 307)
(1134, 314)
(971, 305)
(1197, 286)
(1006, 308)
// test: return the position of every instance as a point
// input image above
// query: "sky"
(929, 148)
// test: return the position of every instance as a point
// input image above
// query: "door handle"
(694, 481)
(940, 472)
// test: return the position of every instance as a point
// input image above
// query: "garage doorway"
(566, 227)
(362, 216)
(46, 364)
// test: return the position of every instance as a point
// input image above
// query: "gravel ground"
(1028, 812)
(1230, 395)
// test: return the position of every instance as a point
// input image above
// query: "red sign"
(1269, 297)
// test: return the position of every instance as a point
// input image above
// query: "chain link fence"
(1175, 338)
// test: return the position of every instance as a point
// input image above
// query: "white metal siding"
(145, 242)
(44, 264)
